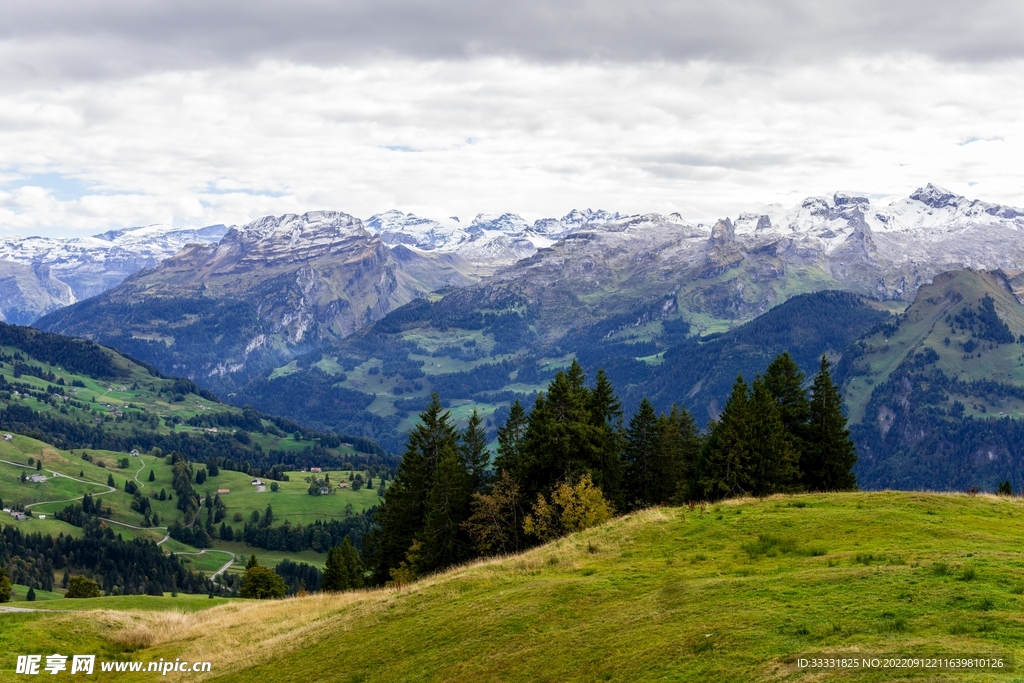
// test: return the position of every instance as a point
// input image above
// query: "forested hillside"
(484, 353)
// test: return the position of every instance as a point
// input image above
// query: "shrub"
(82, 587)
(261, 583)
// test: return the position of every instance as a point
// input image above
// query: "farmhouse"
(315, 469)
(36, 478)
(257, 482)
(7, 437)
(220, 491)
(134, 453)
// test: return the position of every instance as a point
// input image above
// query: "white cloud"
(457, 137)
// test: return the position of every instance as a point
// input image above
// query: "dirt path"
(110, 489)
(206, 550)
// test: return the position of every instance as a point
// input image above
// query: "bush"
(261, 583)
(5, 586)
(82, 587)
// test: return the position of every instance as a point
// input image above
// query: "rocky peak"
(723, 233)
(291, 230)
(936, 197)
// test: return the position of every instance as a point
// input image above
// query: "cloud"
(77, 39)
(487, 135)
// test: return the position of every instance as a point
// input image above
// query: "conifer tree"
(831, 454)
(403, 513)
(643, 469)
(510, 440)
(335, 576)
(784, 380)
(679, 444)
(570, 433)
(773, 466)
(447, 507)
(726, 453)
(475, 454)
(152, 475)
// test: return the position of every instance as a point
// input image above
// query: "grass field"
(292, 502)
(733, 592)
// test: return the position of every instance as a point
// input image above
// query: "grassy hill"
(936, 396)
(74, 410)
(730, 592)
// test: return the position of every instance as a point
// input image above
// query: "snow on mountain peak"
(312, 227)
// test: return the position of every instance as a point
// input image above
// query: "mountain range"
(363, 319)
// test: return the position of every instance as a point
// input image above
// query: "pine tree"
(784, 380)
(726, 454)
(475, 454)
(31, 595)
(679, 444)
(568, 434)
(606, 415)
(447, 507)
(152, 475)
(110, 480)
(335, 576)
(643, 470)
(252, 562)
(510, 440)
(402, 515)
(831, 454)
(774, 463)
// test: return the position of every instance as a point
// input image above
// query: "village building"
(315, 469)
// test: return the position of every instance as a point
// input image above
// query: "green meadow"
(731, 592)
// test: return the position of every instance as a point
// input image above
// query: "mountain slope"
(69, 270)
(266, 291)
(938, 395)
(732, 592)
(375, 381)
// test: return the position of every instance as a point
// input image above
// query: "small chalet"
(223, 491)
(257, 482)
(42, 516)
(8, 437)
(324, 490)
(20, 516)
(315, 469)
(36, 478)
(134, 453)
(343, 485)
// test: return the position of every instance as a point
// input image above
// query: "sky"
(116, 114)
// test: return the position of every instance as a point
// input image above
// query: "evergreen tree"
(344, 569)
(110, 480)
(152, 475)
(831, 454)
(774, 463)
(5, 586)
(252, 562)
(402, 515)
(510, 440)
(447, 507)
(31, 595)
(643, 470)
(679, 443)
(570, 433)
(784, 380)
(726, 453)
(475, 454)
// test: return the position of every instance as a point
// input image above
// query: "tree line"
(572, 462)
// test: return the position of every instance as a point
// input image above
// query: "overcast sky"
(190, 113)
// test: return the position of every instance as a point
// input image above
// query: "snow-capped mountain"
(54, 272)
(488, 241)
(735, 270)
